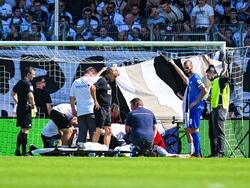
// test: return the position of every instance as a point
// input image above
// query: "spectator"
(145, 33)
(94, 13)
(42, 98)
(202, 17)
(172, 14)
(39, 15)
(36, 33)
(149, 5)
(135, 35)
(87, 25)
(155, 18)
(111, 28)
(23, 6)
(187, 11)
(103, 35)
(228, 37)
(122, 36)
(66, 33)
(141, 127)
(14, 34)
(120, 6)
(129, 25)
(240, 35)
(242, 7)
(5, 10)
(225, 18)
(233, 23)
(136, 13)
(62, 12)
(26, 26)
(16, 19)
(115, 18)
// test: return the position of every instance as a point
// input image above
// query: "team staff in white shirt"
(80, 93)
(63, 117)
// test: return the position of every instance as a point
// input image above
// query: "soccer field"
(123, 172)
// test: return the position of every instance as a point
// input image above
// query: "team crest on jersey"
(31, 88)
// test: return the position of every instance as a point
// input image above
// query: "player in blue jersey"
(193, 103)
(196, 92)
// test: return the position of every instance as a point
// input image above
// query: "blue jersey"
(142, 122)
(195, 91)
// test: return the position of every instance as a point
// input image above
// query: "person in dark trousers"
(22, 95)
(141, 126)
(220, 97)
(42, 98)
(102, 95)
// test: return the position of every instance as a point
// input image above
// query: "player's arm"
(178, 70)
(14, 96)
(72, 104)
(201, 96)
(224, 72)
(101, 71)
(49, 107)
(31, 100)
(93, 94)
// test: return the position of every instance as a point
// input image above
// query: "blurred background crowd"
(127, 20)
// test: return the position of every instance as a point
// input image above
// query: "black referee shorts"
(102, 117)
(59, 119)
(24, 118)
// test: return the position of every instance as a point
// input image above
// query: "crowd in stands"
(127, 20)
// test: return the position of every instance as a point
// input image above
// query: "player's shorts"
(24, 118)
(195, 118)
(61, 121)
(102, 117)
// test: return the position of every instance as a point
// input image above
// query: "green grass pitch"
(123, 172)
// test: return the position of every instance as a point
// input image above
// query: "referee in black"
(23, 96)
(102, 95)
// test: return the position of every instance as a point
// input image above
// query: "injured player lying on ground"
(119, 147)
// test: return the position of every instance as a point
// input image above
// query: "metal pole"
(56, 20)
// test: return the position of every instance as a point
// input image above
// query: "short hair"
(115, 107)
(111, 70)
(28, 69)
(90, 69)
(187, 61)
(112, 3)
(136, 102)
(211, 69)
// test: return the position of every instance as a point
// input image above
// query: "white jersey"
(80, 89)
(50, 129)
(64, 109)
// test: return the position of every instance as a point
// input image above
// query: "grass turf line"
(123, 172)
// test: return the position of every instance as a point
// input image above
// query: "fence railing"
(239, 35)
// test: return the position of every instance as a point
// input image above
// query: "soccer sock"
(18, 140)
(196, 139)
(24, 142)
(191, 148)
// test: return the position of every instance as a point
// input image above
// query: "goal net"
(143, 73)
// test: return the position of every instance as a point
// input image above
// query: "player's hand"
(97, 106)
(193, 104)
